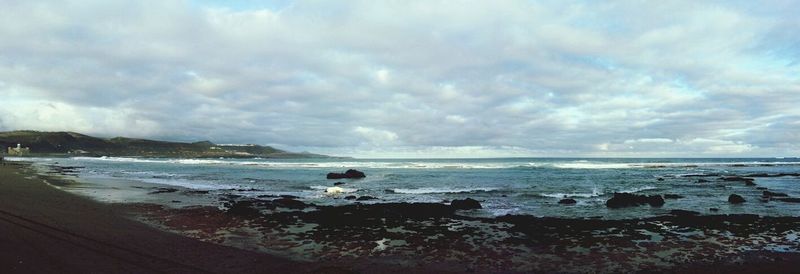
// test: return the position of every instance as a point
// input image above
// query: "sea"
(530, 186)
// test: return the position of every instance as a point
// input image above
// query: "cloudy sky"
(412, 79)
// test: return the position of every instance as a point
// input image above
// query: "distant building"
(19, 150)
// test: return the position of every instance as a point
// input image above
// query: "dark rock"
(366, 198)
(788, 200)
(467, 203)
(700, 175)
(702, 181)
(736, 179)
(680, 212)
(713, 209)
(736, 199)
(672, 196)
(164, 190)
(289, 203)
(774, 194)
(762, 188)
(349, 174)
(246, 189)
(567, 201)
(758, 175)
(338, 183)
(772, 175)
(350, 197)
(241, 208)
(289, 197)
(621, 200)
(659, 179)
(655, 200)
(749, 183)
(228, 196)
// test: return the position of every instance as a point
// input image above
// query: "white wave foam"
(335, 190)
(185, 183)
(29, 159)
(433, 190)
(578, 164)
(595, 193)
(638, 189)
(331, 164)
(583, 164)
(692, 174)
(588, 165)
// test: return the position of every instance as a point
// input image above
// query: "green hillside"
(72, 143)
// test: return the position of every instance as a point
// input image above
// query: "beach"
(46, 230)
(176, 230)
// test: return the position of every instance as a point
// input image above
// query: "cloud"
(682, 78)
(376, 136)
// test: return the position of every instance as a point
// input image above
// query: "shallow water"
(504, 186)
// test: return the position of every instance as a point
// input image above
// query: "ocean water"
(504, 186)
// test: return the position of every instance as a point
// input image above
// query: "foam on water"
(595, 193)
(638, 189)
(588, 165)
(338, 189)
(453, 164)
(434, 190)
(521, 185)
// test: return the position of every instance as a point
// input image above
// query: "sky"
(412, 78)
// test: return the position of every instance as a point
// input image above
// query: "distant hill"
(72, 143)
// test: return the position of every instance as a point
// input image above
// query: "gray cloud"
(370, 78)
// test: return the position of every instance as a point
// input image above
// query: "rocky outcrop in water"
(349, 174)
(567, 201)
(621, 200)
(736, 199)
(771, 194)
(681, 212)
(467, 203)
(163, 190)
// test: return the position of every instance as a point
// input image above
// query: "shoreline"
(47, 230)
(427, 237)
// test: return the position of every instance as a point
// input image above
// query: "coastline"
(418, 237)
(46, 230)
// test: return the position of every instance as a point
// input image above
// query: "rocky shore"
(369, 235)
(438, 237)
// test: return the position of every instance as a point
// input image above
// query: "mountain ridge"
(73, 143)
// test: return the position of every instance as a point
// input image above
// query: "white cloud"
(376, 136)
(414, 78)
(382, 76)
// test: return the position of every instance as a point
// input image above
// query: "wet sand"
(46, 230)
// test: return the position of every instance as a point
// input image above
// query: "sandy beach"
(45, 230)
